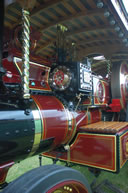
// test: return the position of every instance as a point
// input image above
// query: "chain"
(25, 53)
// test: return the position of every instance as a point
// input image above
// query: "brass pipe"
(25, 53)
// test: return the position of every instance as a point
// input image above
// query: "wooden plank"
(15, 10)
(27, 4)
(12, 18)
(8, 2)
(95, 40)
(89, 29)
(91, 3)
(60, 11)
(121, 54)
(35, 22)
(54, 33)
(47, 36)
(41, 8)
(121, 59)
(52, 15)
(80, 5)
(45, 6)
(76, 32)
(7, 24)
(107, 127)
(105, 50)
(69, 7)
(72, 17)
(73, 25)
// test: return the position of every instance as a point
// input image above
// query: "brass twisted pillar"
(25, 53)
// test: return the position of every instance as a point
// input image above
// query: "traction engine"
(62, 111)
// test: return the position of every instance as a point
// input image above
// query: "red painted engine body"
(54, 121)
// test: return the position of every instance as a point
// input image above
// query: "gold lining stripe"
(15, 61)
(74, 131)
(98, 135)
(71, 125)
(122, 162)
(67, 121)
(97, 97)
(83, 104)
(48, 90)
(40, 65)
(76, 162)
(38, 130)
(115, 140)
(41, 116)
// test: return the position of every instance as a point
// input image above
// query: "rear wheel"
(50, 179)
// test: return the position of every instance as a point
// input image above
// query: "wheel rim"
(68, 187)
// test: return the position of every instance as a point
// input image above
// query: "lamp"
(106, 13)
(112, 21)
(117, 28)
(124, 40)
(99, 4)
(121, 34)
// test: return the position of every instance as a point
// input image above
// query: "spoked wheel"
(50, 179)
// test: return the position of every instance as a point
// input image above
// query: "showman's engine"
(64, 111)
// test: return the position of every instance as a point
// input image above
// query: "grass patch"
(120, 180)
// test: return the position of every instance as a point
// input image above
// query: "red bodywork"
(93, 149)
